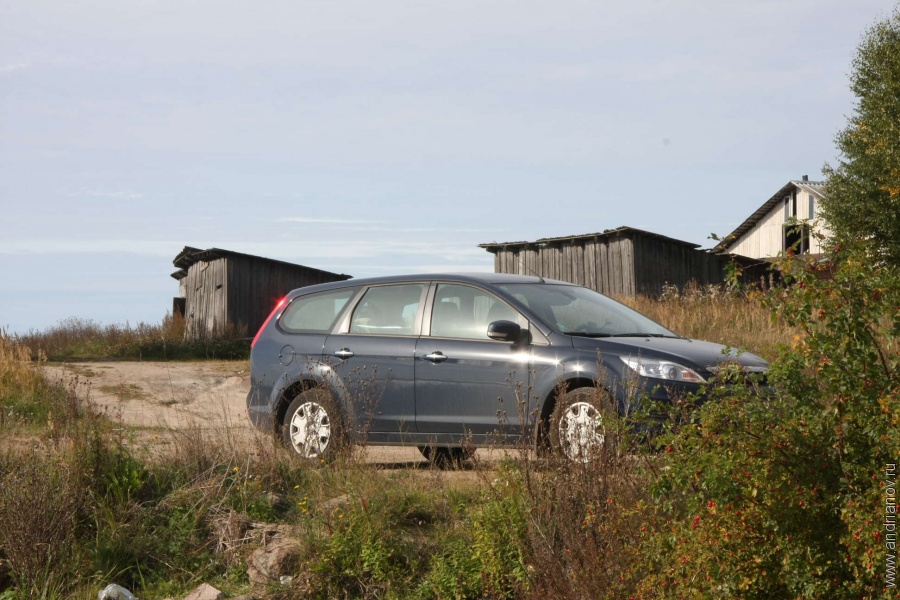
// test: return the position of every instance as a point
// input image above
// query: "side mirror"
(507, 331)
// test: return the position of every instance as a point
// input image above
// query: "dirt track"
(211, 395)
(164, 394)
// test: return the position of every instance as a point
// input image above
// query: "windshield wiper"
(586, 334)
(654, 335)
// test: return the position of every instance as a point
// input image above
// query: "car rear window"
(315, 313)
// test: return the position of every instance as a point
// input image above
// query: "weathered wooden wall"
(617, 265)
(659, 263)
(204, 294)
(239, 292)
(255, 287)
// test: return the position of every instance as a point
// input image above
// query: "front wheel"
(582, 427)
(314, 426)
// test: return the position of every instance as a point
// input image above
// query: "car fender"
(584, 370)
(313, 371)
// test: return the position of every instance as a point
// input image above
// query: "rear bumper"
(259, 408)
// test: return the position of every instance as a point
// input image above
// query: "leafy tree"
(862, 199)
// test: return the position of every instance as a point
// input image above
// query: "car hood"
(690, 353)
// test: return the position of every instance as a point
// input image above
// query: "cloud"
(325, 221)
(571, 73)
(12, 67)
(114, 195)
(378, 226)
(69, 247)
(306, 251)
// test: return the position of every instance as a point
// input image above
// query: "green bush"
(780, 495)
(483, 554)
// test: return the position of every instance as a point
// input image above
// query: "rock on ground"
(205, 592)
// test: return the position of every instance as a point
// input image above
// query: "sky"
(390, 137)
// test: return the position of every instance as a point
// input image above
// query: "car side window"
(388, 310)
(315, 313)
(462, 311)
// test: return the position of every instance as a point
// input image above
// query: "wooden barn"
(617, 262)
(221, 290)
(789, 219)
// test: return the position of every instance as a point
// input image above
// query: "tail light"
(275, 310)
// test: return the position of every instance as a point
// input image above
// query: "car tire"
(314, 426)
(582, 426)
(444, 457)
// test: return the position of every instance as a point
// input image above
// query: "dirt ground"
(153, 397)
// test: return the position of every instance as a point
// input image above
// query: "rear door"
(466, 382)
(372, 354)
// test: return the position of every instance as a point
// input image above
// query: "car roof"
(478, 278)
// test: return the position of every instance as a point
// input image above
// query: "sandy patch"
(156, 397)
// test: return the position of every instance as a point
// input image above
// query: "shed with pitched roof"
(221, 290)
(619, 262)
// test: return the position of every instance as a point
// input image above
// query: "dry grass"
(76, 338)
(18, 374)
(716, 315)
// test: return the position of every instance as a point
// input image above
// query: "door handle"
(343, 353)
(436, 356)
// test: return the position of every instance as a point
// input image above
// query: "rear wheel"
(314, 426)
(446, 457)
(582, 427)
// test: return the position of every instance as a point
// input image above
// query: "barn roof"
(813, 187)
(609, 233)
(190, 256)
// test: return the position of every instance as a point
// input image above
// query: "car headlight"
(661, 369)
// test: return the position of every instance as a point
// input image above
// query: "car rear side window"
(315, 313)
(388, 310)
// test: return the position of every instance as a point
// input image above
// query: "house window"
(812, 207)
(796, 238)
(790, 207)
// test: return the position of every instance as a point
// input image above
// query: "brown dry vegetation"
(76, 338)
(735, 319)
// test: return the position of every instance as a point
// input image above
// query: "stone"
(273, 561)
(205, 592)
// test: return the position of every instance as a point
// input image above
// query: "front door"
(467, 383)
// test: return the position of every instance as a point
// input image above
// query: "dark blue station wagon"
(448, 363)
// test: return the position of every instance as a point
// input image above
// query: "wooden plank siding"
(205, 298)
(228, 291)
(762, 236)
(624, 262)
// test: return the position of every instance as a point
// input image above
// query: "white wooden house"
(787, 220)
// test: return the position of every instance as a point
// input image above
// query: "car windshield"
(576, 310)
